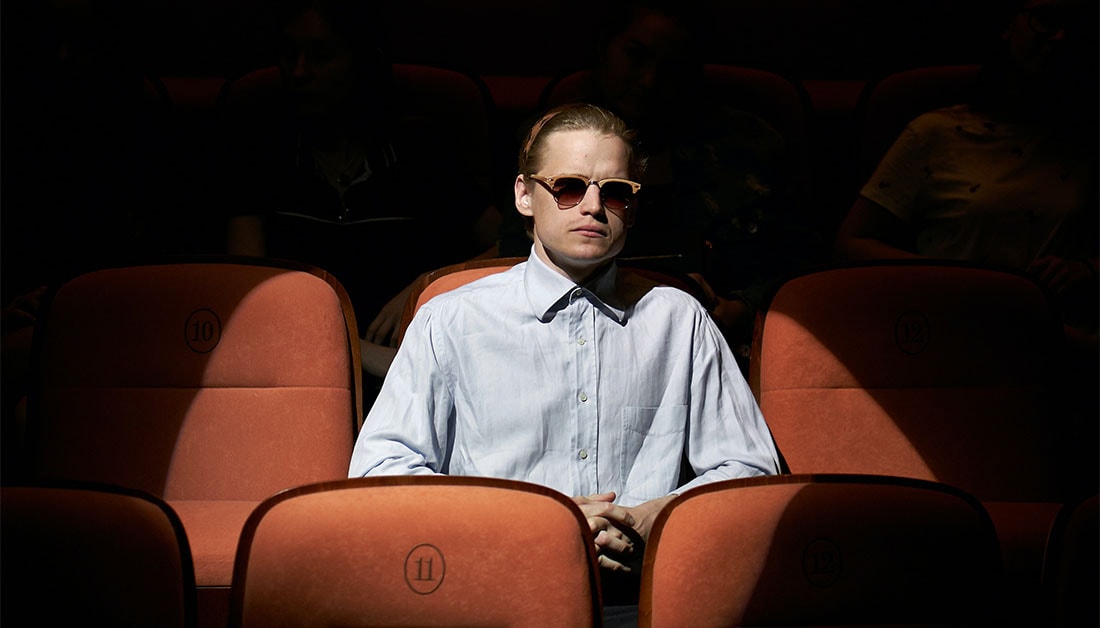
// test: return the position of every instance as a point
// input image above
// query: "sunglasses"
(569, 190)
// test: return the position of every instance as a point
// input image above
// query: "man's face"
(317, 65)
(1045, 36)
(641, 68)
(578, 240)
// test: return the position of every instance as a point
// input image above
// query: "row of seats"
(216, 383)
(837, 129)
(819, 38)
(791, 550)
(166, 196)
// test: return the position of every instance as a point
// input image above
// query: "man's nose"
(592, 204)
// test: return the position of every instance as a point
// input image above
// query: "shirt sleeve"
(408, 428)
(727, 435)
(902, 173)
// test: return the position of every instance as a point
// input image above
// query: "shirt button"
(577, 293)
(581, 341)
(584, 454)
(584, 397)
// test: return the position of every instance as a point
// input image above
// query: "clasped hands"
(619, 532)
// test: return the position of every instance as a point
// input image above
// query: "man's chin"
(582, 260)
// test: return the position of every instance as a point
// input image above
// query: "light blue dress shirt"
(607, 387)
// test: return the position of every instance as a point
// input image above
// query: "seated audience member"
(721, 187)
(1007, 178)
(567, 370)
(329, 173)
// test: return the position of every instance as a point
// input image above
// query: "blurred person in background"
(325, 170)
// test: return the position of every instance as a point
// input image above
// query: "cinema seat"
(1071, 566)
(820, 550)
(457, 104)
(78, 554)
(416, 551)
(210, 383)
(942, 371)
(782, 102)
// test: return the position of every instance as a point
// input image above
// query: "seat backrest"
(780, 101)
(250, 88)
(83, 555)
(225, 379)
(802, 550)
(889, 102)
(192, 92)
(783, 102)
(448, 278)
(416, 551)
(458, 104)
(1071, 566)
(933, 370)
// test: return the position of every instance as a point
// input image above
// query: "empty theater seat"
(78, 554)
(942, 371)
(211, 384)
(417, 551)
(820, 550)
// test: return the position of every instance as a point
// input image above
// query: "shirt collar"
(548, 291)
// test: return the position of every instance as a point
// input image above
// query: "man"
(565, 370)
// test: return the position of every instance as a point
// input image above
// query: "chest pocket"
(652, 447)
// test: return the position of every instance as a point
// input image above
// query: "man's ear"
(523, 197)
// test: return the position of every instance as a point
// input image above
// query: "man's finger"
(615, 541)
(610, 512)
(611, 564)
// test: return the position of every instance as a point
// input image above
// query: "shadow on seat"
(1071, 566)
(209, 383)
(80, 554)
(820, 550)
(943, 371)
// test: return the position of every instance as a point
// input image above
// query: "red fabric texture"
(419, 550)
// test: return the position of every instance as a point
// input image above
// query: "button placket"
(586, 409)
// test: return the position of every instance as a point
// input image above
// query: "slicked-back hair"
(577, 117)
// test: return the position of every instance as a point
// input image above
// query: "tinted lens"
(617, 195)
(569, 191)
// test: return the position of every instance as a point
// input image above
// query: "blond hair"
(577, 117)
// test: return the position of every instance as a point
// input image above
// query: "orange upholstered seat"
(91, 555)
(831, 550)
(417, 551)
(211, 384)
(1071, 565)
(942, 371)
